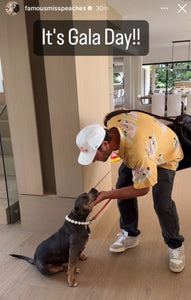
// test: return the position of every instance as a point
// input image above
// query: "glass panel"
(118, 81)
(170, 77)
(9, 205)
(1, 79)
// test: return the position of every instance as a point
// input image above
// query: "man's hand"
(125, 193)
(102, 196)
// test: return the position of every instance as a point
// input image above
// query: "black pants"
(164, 206)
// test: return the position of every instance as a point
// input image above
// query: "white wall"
(145, 80)
(20, 102)
(132, 80)
(161, 55)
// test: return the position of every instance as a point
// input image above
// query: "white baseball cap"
(89, 139)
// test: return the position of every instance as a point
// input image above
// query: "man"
(151, 153)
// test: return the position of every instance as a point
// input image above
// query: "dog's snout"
(93, 193)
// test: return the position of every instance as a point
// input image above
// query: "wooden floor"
(138, 274)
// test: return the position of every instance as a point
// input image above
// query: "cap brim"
(86, 158)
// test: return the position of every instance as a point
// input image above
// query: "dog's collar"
(77, 222)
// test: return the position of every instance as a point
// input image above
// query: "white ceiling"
(165, 25)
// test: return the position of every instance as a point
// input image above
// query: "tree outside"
(167, 75)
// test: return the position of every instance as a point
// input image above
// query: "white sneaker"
(177, 259)
(124, 242)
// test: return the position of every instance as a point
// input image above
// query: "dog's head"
(82, 205)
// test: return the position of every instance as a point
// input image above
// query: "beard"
(106, 155)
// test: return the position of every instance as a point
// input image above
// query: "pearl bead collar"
(76, 222)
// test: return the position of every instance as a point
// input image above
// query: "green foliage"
(118, 78)
(169, 76)
(160, 84)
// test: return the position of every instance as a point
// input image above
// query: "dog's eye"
(84, 196)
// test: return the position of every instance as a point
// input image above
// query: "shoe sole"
(124, 249)
(176, 270)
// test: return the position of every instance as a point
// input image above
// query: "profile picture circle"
(12, 8)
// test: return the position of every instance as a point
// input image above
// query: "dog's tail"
(28, 259)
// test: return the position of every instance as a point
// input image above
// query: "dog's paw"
(73, 283)
(83, 256)
(77, 270)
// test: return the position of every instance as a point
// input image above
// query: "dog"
(61, 251)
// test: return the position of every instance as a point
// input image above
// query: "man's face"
(102, 154)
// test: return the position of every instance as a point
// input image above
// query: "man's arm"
(128, 192)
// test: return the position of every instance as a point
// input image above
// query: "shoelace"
(176, 253)
(121, 237)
